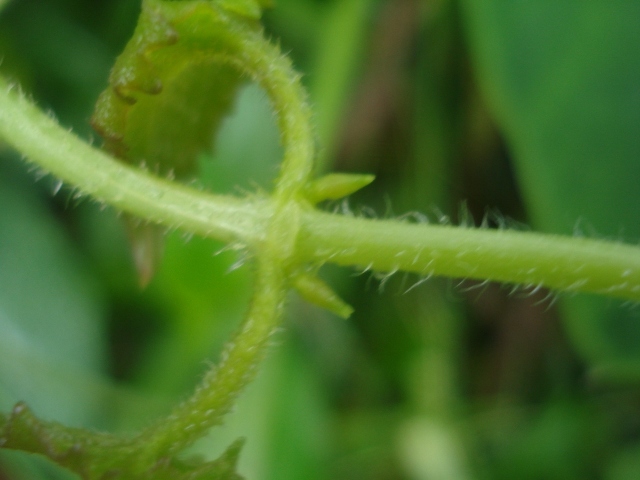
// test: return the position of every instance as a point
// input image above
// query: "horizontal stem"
(527, 258)
(93, 173)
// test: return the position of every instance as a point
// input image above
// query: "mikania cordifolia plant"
(168, 91)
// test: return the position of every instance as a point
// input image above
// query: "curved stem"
(93, 173)
(274, 72)
(216, 394)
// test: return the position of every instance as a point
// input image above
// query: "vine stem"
(531, 259)
(220, 387)
(218, 391)
(285, 233)
(276, 75)
(93, 173)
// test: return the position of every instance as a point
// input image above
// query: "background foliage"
(527, 109)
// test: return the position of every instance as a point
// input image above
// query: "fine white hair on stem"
(385, 278)
(367, 212)
(548, 300)
(345, 209)
(363, 271)
(442, 218)
(421, 280)
(416, 216)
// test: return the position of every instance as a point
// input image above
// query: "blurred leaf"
(51, 333)
(561, 441)
(69, 63)
(50, 314)
(562, 81)
(298, 421)
(625, 465)
(297, 24)
(203, 301)
(341, 47)
(437, 102)
(248, 151)
(22, 466)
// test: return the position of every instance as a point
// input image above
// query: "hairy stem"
(217, 393)
(93, 173)
(565, 264)
(275, 74)
(530, 259)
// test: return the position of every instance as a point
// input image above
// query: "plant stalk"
(530, 259)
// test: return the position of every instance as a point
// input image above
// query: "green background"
(525, 114)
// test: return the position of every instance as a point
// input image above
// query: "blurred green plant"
(160, 93)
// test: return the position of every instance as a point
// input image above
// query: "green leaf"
(3, 3)
(172, 85)
(51, 332)
(223, 468)
(340, 47)
(50, 315)
(239, 165)
(168, 92)
(247, 8)
(561, 79)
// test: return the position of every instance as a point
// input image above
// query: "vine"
(184, 51)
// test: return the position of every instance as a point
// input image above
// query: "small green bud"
(315, 291)
(336, 185)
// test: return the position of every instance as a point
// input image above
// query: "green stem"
(526, 258)
(284, 233)
(564, 264)
(93, 173)
(217, 393)
(275, 74)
